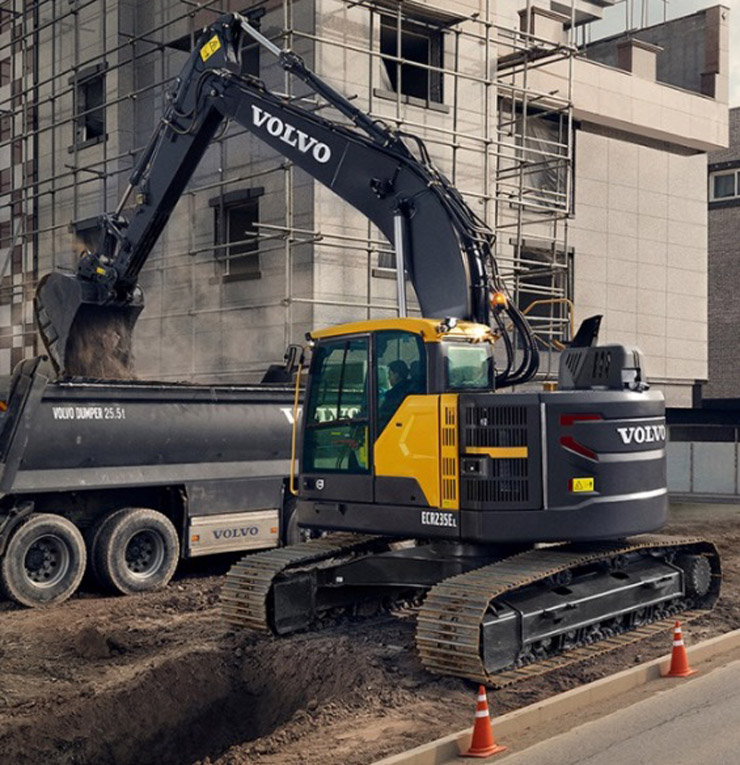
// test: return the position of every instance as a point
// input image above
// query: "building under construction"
(587, 157)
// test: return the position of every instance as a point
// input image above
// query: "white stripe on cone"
(482, 713)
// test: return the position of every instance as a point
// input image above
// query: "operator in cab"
(400, 385)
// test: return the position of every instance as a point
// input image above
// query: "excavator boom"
(365, 163)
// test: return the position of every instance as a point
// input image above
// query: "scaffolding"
(460, 79)
(534, 180)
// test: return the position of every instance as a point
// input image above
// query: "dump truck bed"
(222, 451)
(85, 434)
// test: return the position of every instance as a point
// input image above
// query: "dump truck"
(133, 477)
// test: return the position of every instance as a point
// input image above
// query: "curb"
(449, 747)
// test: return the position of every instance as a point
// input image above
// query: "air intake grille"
(506, 483)
(602, 362)
(495, 426)
(573, 362)
(449, 461)
(500, 467)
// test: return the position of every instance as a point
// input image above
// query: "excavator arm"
(444, 246)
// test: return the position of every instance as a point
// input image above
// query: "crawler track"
(245, 594)
(449, 621)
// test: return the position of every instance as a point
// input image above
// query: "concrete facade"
(632, 219)
(641, 221)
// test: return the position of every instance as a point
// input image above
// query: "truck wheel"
(44, 561)
(135, 550)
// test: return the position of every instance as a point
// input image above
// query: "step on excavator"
(522, 520)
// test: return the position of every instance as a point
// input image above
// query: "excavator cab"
(359, 383)
(378, 395)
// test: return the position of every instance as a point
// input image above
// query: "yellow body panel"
(408, 447)
(427, 328)
(500, 452)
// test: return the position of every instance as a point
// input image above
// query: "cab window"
(337, 424)
(468, 367)
(400, 372)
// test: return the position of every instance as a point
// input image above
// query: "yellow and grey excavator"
(517, 509)
(511, 513)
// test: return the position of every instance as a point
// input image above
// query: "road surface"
(694, 721)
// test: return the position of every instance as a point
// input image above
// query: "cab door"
(337, 451)
(406, 418)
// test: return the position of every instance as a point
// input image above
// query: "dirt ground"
(158, 678)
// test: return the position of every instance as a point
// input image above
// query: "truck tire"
(91, 536)
(44, 561)
(135, 550)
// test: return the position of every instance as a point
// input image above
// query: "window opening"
(90, 120)
(544, 164)
(723, 185)
(236, 235)
(421, 43)
(543, 284)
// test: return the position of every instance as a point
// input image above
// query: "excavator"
(520, 520)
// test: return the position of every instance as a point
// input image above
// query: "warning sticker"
(210, 48)
(582, 484)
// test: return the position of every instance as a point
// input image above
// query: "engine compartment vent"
(500, 464)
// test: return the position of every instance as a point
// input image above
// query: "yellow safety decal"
(100, 270)
(581, 484)
(210, 48)
(500, 452)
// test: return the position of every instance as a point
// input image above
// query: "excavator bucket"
(84, 332)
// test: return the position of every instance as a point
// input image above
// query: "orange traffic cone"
(679, 658)
(482, 743)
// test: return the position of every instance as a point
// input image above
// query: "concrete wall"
(694, 55)
(703, 468)
(639, 233)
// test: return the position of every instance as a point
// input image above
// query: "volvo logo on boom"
(290, 134)
(642, 434)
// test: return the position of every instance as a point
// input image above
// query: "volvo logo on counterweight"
(642, 434)
(290, 134)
